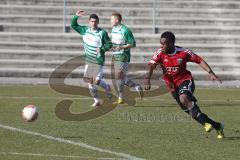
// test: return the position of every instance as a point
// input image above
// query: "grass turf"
(154, 129)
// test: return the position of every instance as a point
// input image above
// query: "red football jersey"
(175, 65)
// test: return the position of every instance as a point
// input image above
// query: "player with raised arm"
(123, 40)
(96, 43)
(173, 61)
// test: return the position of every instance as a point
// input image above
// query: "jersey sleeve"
(156, 59)
(78, 28)
(107, 44)
(192, 57)
(129, 37)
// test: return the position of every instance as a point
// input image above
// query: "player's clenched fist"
(147, 84)
(80, 13)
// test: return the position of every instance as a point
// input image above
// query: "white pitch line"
(55, 155)
(81, 144)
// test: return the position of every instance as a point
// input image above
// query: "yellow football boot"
(119, 101)
(208, 127)
(220, 133)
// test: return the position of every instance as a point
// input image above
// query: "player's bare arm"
(147, 83)
(204, 65)
(117, 48)
(127, 46)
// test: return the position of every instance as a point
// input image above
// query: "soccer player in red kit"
(173, 61)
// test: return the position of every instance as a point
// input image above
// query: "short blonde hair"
(117, 15)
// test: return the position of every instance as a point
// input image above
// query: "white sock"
(94, 92)
(96, 100)
(137, 87)
(120, 86)
(120, 95)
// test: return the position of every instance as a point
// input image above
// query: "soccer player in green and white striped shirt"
(123, 40)
(96, 43)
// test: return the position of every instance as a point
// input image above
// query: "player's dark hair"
(94, 16)
(169, 36)
(118, 15)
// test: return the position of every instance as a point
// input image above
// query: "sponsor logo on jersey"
(179, 61)
(172, 69)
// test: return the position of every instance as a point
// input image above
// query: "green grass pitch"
(154, 129)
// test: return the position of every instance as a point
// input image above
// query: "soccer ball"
(30, 113)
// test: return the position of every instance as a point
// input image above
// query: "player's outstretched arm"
(74, 24)
(207, 68)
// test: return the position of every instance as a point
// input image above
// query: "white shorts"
(93, 71)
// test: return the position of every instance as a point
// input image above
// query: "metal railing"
(155, 29)
(64, 15)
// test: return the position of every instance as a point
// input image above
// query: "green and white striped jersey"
(93, 40)
(122, 35)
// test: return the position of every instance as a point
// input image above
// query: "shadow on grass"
(155, 106)
(232, 138)
(219, 104)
